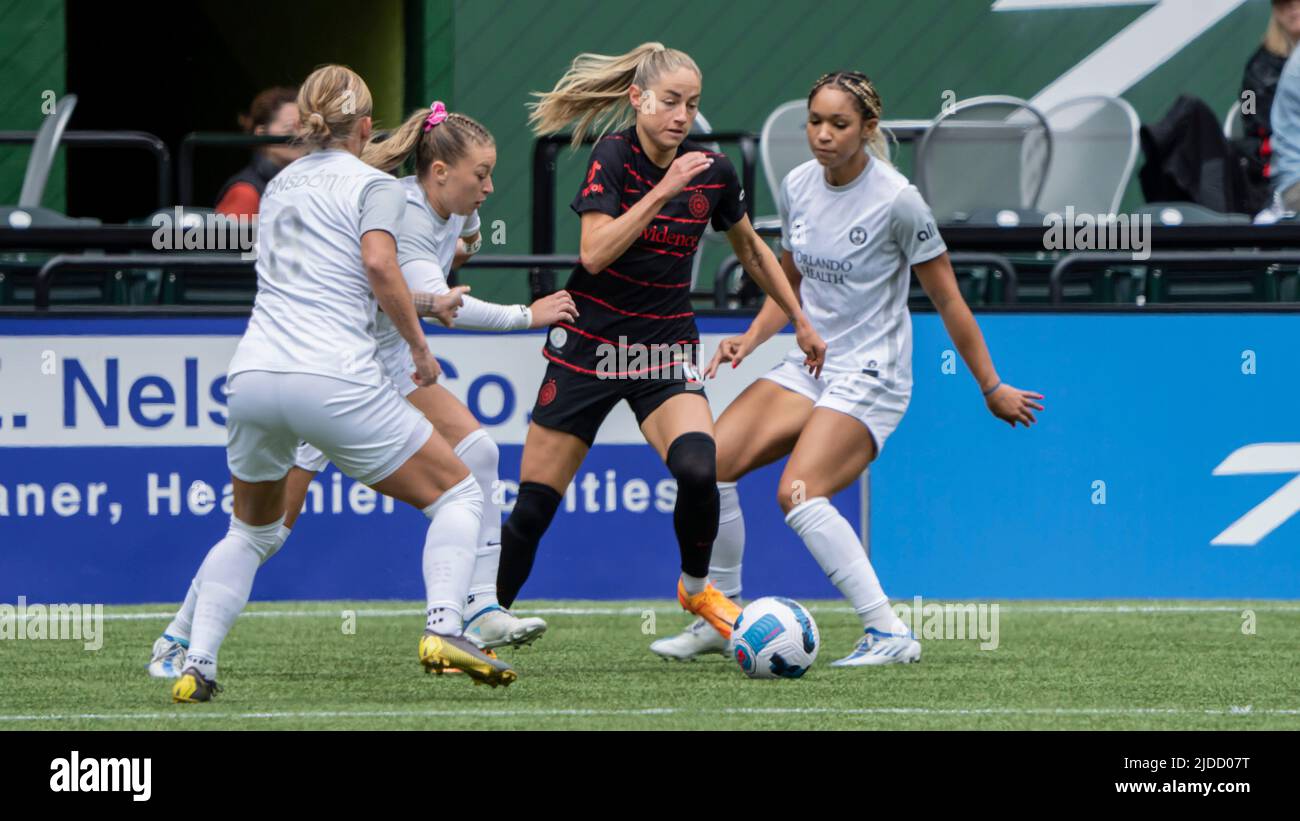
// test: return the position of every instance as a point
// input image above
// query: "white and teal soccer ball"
(774, 637)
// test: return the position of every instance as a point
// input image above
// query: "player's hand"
(557, 307)
(683, 170)
(446, 305)
(427, 369)
(733, 349)
(1013, 405)
(810, 342)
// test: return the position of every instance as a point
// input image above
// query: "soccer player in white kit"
(306, 370)
(454, 157)
(852, 229)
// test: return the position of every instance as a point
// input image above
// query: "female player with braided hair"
(645, 201)
(852, 230)
(454, 157)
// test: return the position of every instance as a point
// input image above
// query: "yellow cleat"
(487, 652)
(440, 654)
(710, 605)
(193, 688)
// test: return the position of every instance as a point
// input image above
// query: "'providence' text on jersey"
(643, 297)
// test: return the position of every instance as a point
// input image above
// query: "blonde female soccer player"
(645, 200)
(852, 230)
(454, 156)
(306, 370)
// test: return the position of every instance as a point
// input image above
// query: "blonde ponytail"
(331, 101)
(594, 90)
(448, 141)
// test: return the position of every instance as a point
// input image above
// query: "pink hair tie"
(437, 113)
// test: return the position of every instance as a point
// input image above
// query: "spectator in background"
(1260, 82)
(1285, 116)
(1189, 159)
(275, 112)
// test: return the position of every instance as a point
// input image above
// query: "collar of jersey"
(840, 189)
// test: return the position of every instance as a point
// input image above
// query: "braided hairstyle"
(859, 87)
(448, 141)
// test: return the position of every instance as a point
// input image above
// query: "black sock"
(693, 462)
(534, 508)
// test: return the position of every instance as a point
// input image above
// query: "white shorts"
(369, 432)
(872, 402)
(395, 358)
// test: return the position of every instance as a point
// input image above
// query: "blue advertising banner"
(1165, 465)
(113, 480)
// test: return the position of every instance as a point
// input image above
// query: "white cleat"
(697, 640)
(496, 626)
(876, 647)
(168, 657)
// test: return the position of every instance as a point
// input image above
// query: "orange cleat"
(710, 605)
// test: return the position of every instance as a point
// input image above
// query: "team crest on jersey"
(547, 394)
(858, 235)
(699, 205)
(558, 337)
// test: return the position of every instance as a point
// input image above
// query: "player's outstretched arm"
(769, 321)
(760, 263)
(1009, 404)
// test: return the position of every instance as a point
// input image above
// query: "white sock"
(454, 522)
(729, 547)
(183, 622)
(834, 544)
(481, 456)
(225, 581)
(694, 584)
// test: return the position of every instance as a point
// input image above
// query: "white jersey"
(314, 311)
(855, 246)
(426, 237)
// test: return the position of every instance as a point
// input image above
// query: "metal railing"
(212, 139)
(1206, 265)
(139, 140)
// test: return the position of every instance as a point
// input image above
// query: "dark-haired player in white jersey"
(852, 230)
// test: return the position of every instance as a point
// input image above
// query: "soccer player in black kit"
(645, 201)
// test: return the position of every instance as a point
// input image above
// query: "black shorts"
(578, 403)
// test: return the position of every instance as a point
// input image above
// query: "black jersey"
(643, 297)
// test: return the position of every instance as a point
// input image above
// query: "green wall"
(31, 61)
(759, 53)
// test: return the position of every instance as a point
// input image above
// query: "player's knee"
(479, 453)
(264, 540)
(693, 462)
(534, 509)
(790, 493)
(464, 494)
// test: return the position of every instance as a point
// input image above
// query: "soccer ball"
(774, 637)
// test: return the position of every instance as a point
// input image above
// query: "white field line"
(663, 609)
(189, 713)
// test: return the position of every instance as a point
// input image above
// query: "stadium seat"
(1232, 125)
(1094, 148)
(985, 152)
